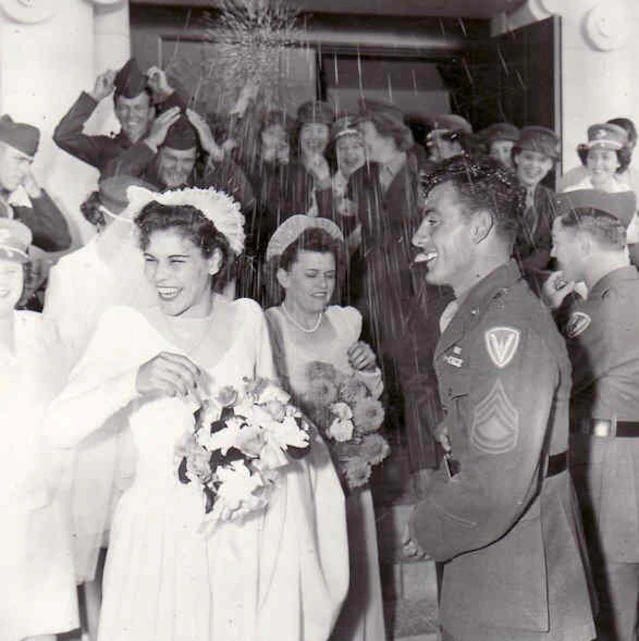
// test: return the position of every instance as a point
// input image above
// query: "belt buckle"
(602, 428)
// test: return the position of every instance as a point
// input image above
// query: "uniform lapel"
(473, 306)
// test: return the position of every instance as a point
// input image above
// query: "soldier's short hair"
(482, 183)
(607, 230)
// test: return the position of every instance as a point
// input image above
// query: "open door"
(514, 77)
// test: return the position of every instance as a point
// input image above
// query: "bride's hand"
(168, 374)
(361, 357)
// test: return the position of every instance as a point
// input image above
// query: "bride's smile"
(180, 273)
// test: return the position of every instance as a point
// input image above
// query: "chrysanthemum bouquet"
(349, 417)
(243, 438)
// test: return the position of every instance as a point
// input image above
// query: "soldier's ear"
(585, 243)
(481, 225)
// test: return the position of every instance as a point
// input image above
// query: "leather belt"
(557, 463)
(605, 428)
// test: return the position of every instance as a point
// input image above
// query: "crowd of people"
(495, 317)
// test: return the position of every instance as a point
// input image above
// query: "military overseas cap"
(450, 122)
(292, 228)
(24, 138)
(606, 135)
(181, 135)
(500, 131)
(130, 81)
(15, 239)
(344, 126)
(316, 111)
(622, 205)
(388, 120)
(112, 192)
(384, 110)
(540, 139)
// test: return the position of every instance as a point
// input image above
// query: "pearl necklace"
(309, 330)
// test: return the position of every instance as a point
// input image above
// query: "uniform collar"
(473, 305)
(612, 278)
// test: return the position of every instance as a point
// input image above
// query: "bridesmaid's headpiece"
(222, 210)
(292, 228)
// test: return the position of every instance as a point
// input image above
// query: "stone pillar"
(50, 50)
(598, 61)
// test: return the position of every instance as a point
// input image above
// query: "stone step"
(408, 580)
(411, 619)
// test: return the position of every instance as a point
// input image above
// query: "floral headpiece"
(222, 210)
(292, 228)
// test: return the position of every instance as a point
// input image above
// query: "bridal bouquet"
(349, 418)
(243, 437)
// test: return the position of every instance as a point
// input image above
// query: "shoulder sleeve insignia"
(495, 428)
(577, 324)
(502, 344)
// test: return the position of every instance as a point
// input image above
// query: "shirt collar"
(476, 300)
(393, 167)
(480, 295)
(619, 275)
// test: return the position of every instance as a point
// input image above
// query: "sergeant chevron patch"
(502, 344)
(577, 324)
(495, 428)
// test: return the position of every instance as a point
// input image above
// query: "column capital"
(28, 11)
(605, 25)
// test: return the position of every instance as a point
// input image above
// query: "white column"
(599, 57)
(49, 51)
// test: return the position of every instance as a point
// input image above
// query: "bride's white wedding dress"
(279, 574)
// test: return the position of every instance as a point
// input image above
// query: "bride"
(282, 573)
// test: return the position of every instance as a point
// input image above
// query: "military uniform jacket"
(98, 151)
(45, 220)
(508, 533)
(602, 334)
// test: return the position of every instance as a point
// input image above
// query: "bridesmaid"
(304, 328)
(37, 587)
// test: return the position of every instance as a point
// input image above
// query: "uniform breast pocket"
(455, 391)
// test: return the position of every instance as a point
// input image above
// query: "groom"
(499, 513)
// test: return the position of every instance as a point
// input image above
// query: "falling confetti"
(247, 39)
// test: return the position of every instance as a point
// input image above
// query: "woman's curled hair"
(190, 223)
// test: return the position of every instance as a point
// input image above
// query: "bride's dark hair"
(191, 224)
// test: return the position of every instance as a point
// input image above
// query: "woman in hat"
(534, 156)
(306, 254)
(314, 120)
(500, 138)
(449, 136)
(37, 587)
(347, 153)
(284, 570)
(605, 156)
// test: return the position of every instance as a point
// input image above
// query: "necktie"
(386, 177)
